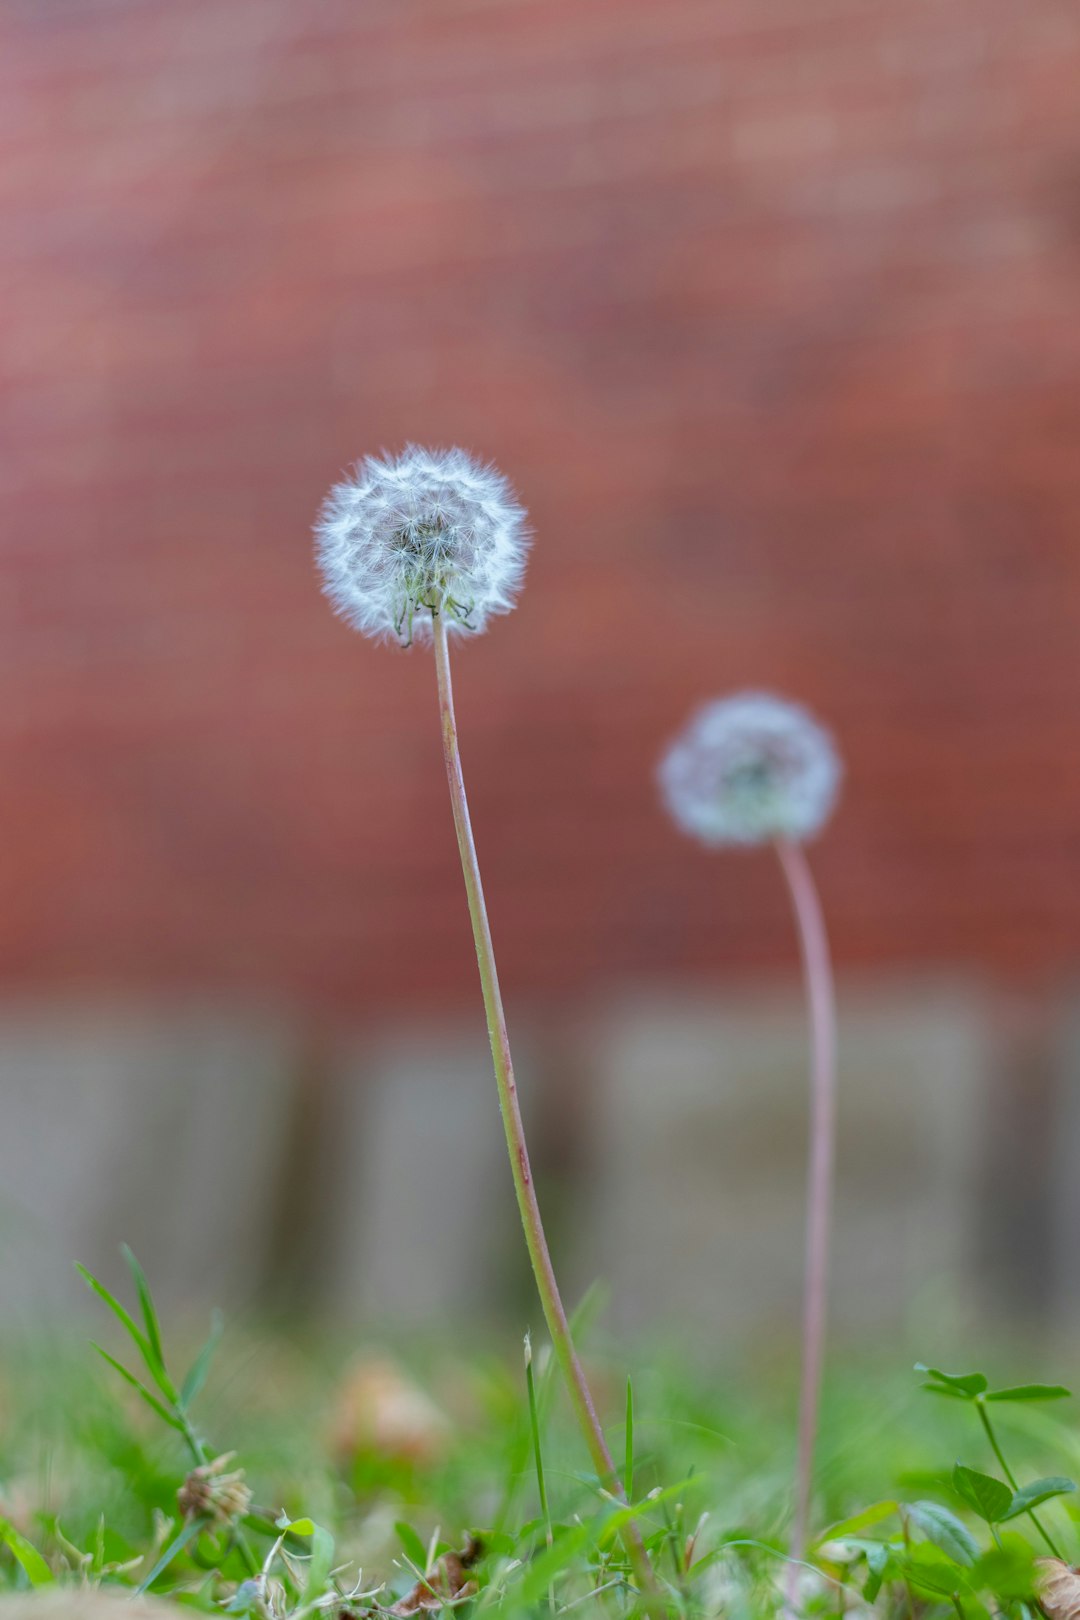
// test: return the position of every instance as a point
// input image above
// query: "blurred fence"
(363, 1177)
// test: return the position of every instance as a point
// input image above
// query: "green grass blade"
(34, 1566)
(151, 1400)
(126, 1320)
(320, 1560)
(538, 1456)
(535, 1579)
(854, 1526)
(534, 1426)
(587, 1311)
(415, 1551)
(196, 1377)
(628, 1473)
(177, 1545)
(153, 1354)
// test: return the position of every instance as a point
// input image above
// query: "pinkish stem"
(817, 970)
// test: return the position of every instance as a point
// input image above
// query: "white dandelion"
(423, 544)
(750, 769)
(423, 533)
(754, 769)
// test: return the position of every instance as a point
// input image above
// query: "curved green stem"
(984, 1418)
(554, 1312)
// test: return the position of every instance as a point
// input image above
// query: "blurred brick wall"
(772, 312)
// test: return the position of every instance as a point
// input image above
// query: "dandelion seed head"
(427, 531)
(749, 769)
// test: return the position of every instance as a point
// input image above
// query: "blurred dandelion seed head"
(749, 769)
(428, 531)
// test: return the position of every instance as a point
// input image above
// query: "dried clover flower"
(210, 1492)
(425, 532)
(750, 769)
(1058, 1586)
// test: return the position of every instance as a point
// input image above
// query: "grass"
(460, 1483)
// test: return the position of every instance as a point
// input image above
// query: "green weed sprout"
(214, 1499)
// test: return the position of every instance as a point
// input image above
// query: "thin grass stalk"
(550, 1299)
(821, 1001)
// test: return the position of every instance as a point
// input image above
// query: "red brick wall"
(772, 311)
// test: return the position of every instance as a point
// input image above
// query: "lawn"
(365, 1479)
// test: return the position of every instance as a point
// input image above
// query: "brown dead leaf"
(448, 1582)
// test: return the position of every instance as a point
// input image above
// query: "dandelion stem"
(554, 1312)
(817, 969)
